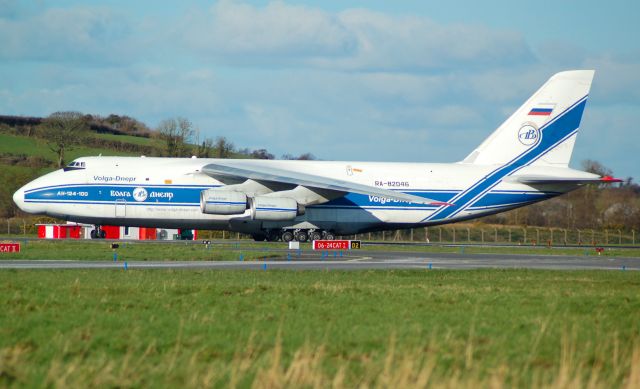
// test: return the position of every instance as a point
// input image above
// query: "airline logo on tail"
(528, 134)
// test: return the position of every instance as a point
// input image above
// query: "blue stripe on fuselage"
(190, 196)
(87, 193)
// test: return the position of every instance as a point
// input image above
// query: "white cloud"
(354, 39)
(418, 43)
(241, 30)
(90, 34)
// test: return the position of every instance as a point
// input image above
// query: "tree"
(63, 130)
(177, 133)
(224, 147)
(306, 157)
(596, 167)
(301, 157)
(262, 154)
(204, 150)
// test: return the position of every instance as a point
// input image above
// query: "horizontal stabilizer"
(260, 172)
(540, 179)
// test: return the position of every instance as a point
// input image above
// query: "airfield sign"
(9, 247)
(336, 244)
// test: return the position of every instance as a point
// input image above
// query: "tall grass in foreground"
(418, 367)
(286, 329)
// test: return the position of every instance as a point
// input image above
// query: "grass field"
(485, 328)
(136, 140)
(101, 250)
(13, 144)
(610, 251)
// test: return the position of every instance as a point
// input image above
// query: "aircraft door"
(121, 208)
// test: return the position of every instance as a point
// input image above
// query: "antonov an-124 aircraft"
(522, 162)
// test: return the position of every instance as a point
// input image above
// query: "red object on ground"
(75, 232)
(112, 232)
(148, 233)
(42, 231)
(335, 244)
(58, 232)
(9, 247)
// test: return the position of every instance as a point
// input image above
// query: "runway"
(366, 260)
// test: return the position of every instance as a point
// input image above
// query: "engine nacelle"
(275, 208)
(222, 202)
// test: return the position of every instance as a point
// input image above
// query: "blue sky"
(347, 80)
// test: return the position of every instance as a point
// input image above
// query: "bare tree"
(186, 134)
(224, 147)
(63, 130)
(205, 149)
(177, 133)
(301, 157)
(306, 157)
(596, 167)
(262, 154)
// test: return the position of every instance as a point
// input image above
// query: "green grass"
(100, 250)
(609, 251)
(13, 144)
(317, 329)
(136, 140)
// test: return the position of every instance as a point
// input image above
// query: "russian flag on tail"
(541, 110)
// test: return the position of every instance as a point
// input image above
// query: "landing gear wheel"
(259, 237)
(287, 236)
(102, 234)
(272, 236)
(315, 235)
(329, 236)
(93, 234)
(302, 236)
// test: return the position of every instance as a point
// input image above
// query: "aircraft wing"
(260, 172)
(541, 179)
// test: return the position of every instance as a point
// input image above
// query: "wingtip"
(609, 179)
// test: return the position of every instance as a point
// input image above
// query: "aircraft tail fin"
(544, 129)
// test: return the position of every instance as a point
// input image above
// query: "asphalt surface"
(356, 260)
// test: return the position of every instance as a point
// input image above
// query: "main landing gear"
(98, 233)
(299, 235)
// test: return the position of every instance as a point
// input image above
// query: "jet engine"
(222, 202)
(275, 208)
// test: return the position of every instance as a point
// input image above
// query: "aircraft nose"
(18, 198)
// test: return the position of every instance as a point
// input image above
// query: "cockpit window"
(75, 165)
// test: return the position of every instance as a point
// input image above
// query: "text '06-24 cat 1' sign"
(9, 247)
(336, 244)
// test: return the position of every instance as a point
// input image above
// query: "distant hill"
(26, 153)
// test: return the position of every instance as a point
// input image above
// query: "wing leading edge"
(260, 172)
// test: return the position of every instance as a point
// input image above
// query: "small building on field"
(84, 231)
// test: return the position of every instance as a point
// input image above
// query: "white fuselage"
(165, 192)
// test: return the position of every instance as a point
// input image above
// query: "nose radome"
(18, 198)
